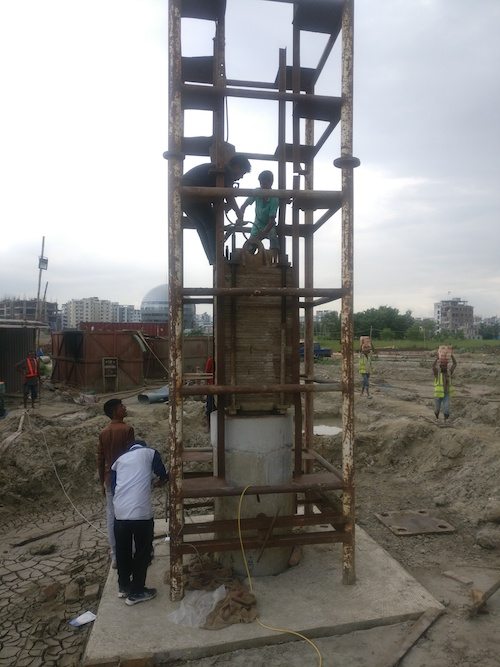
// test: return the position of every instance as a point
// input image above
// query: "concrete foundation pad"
(309, 598)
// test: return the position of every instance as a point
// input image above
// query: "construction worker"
(31, 369)
(442, 385)
(114, 441)
(365, 367)
(131, 476)
(201, 212)
(264, 226)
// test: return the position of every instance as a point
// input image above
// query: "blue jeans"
(365, 382)
(444, 404)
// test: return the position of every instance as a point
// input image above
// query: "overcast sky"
(84, 123)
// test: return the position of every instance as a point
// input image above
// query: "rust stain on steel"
(347, 332)
(175, 132)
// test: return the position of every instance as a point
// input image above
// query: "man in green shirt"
(265, 217)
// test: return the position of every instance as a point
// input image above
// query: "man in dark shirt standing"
(114, 441)
(201, 212)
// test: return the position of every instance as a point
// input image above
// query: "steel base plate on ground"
(414, 522)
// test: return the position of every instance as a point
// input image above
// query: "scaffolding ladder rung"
(198, 99)
(319, 109)
(263, 522)
(290, 540)
(324, 16)
(303, 198)
(206, 487)
(306, 78)
(197, 145)
(197, 455)
(335, 292)
(201, 9)
(198, 69)
(214, 389)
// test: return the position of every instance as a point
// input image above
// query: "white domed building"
(154, 307)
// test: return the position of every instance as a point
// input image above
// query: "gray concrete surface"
(257, 448)
(309, 598)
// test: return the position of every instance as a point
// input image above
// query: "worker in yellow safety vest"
(365, 367)
(442, 386)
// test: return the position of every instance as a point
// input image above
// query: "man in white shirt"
(131, 476)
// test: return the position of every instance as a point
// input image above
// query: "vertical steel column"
(309, 282)
(282, 210)
(220, 158)
(296, 252)
(175, 133)
(308, 312)
(282, 150)
(348, 496)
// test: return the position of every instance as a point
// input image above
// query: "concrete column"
(258, 451)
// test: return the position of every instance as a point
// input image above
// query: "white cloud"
(85, 117)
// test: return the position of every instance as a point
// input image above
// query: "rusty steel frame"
(304, 199)
(175, 164)
(347, 327)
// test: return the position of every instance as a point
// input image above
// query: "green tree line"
(383, 323)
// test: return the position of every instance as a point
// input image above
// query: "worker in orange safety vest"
(31, 369)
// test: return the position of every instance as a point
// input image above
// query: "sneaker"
(123, 592)
(135, 598)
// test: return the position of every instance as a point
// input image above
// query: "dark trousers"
(209, 406)
(30, 386)
(132, 563)
(202, 215)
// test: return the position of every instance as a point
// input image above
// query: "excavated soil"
(405, 460)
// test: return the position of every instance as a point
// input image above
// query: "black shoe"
(123, 592)
(135, 598)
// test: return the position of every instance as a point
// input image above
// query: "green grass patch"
(458, 344)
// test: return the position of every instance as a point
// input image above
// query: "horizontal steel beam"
(212, 389)
(263, 522)
(214, 192)
(331, 292)
(272, 95)
(319, 537)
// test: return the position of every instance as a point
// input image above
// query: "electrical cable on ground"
(264, 625)
(34, 429)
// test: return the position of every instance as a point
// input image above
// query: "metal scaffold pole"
(175, 133)
(347, 332)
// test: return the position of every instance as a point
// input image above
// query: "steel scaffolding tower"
(201, 83)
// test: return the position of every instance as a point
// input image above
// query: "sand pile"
(395, 432)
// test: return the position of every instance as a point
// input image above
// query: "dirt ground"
(53, 563)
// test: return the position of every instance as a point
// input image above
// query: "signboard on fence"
(110, 373)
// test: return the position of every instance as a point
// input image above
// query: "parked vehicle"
(318, 351)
